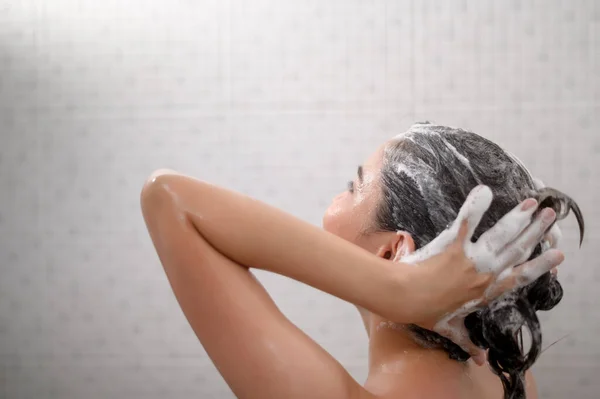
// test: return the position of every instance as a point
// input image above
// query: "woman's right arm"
(254, 234)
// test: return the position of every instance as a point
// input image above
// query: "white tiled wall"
(277, 99)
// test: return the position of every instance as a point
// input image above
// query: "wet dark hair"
(426, 177)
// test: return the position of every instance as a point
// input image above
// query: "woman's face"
(353, 210)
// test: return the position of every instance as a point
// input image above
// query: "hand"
(455, 276)
(552, 238)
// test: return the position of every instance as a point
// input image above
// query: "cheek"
(343, 219)
(337, 216)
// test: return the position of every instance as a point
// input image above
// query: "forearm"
(257, 235)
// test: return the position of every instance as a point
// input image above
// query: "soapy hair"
(426, 176)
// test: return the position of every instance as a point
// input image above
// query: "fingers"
(532, 270)
(526, 273)
(554, 236)
(520, 249)
(477, 203)
(506, 281)
(463, 232)
(510, 226)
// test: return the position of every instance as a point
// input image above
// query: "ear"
(397, 246)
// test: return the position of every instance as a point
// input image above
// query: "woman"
(398, 208)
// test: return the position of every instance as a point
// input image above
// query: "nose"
(337, 197)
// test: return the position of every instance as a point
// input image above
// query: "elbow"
(154, 186)
(156, 179)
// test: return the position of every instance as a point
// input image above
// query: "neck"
(396, 361)
(390, 342)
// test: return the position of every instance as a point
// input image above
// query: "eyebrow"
(359, 172)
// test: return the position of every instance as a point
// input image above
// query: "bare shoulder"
(438, 377)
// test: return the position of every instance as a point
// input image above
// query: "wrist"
(411, 299)
(394, 300)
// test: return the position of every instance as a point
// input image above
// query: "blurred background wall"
(279, 100)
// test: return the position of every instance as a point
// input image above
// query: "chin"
(324, 224)
(327, 223)
(328, 228)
